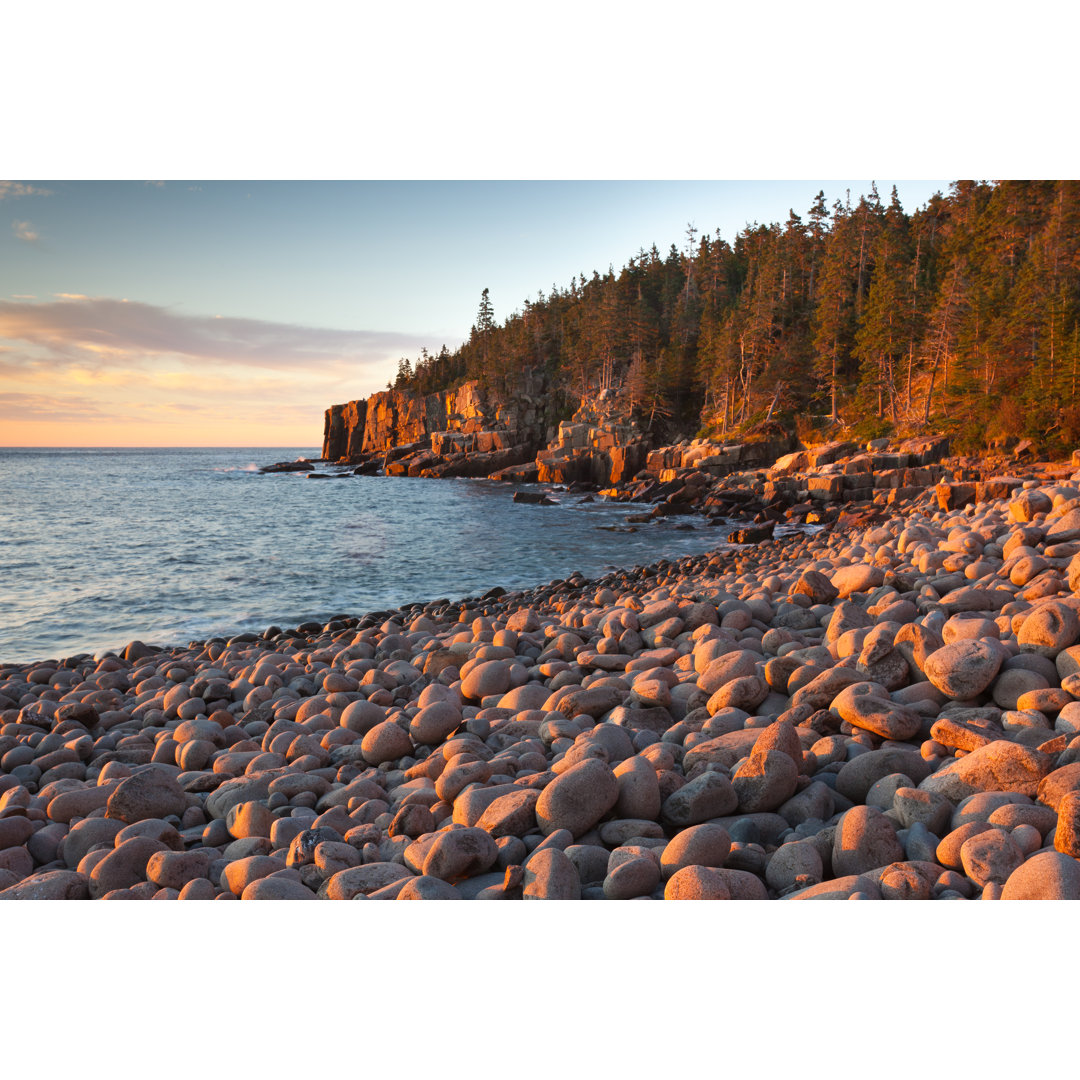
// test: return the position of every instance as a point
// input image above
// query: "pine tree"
(884, 333)
(834, 309)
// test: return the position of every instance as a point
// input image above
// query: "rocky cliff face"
(343, 430)
(393, 418)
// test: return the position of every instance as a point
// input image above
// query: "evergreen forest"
(861, 319)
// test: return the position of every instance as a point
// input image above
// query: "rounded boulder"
(578, 798)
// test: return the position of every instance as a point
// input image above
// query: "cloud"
(12, 189)
(120, 333)
(109, 371)
(53, 407)
(24, 230)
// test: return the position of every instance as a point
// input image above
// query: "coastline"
(883, 710)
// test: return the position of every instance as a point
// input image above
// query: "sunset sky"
(229, 313)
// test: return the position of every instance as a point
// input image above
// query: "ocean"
(99, 547)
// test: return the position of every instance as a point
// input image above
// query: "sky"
(228, 312)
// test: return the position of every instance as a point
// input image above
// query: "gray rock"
(578, 798)
(929, 809)
(765, 781)
(635, 877)
(708, 795)
(428, 888)
(49, 885)
(865, 839)
(857, 776)
(814, 802)
(152, 793)
(841, 888)
(990, 857)
(1046, 875)
(551, 875)
(997, 766)
(460, 853)
(964, 669)
(363, 880)
(706, 844)
(796, 863)
(590, 861)
(697, 883)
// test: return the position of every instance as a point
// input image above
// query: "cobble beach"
(881, 711)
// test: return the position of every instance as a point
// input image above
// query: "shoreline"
(882, 710)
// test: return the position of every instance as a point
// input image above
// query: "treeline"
(963, 316)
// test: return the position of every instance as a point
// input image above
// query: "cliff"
(463, 417)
